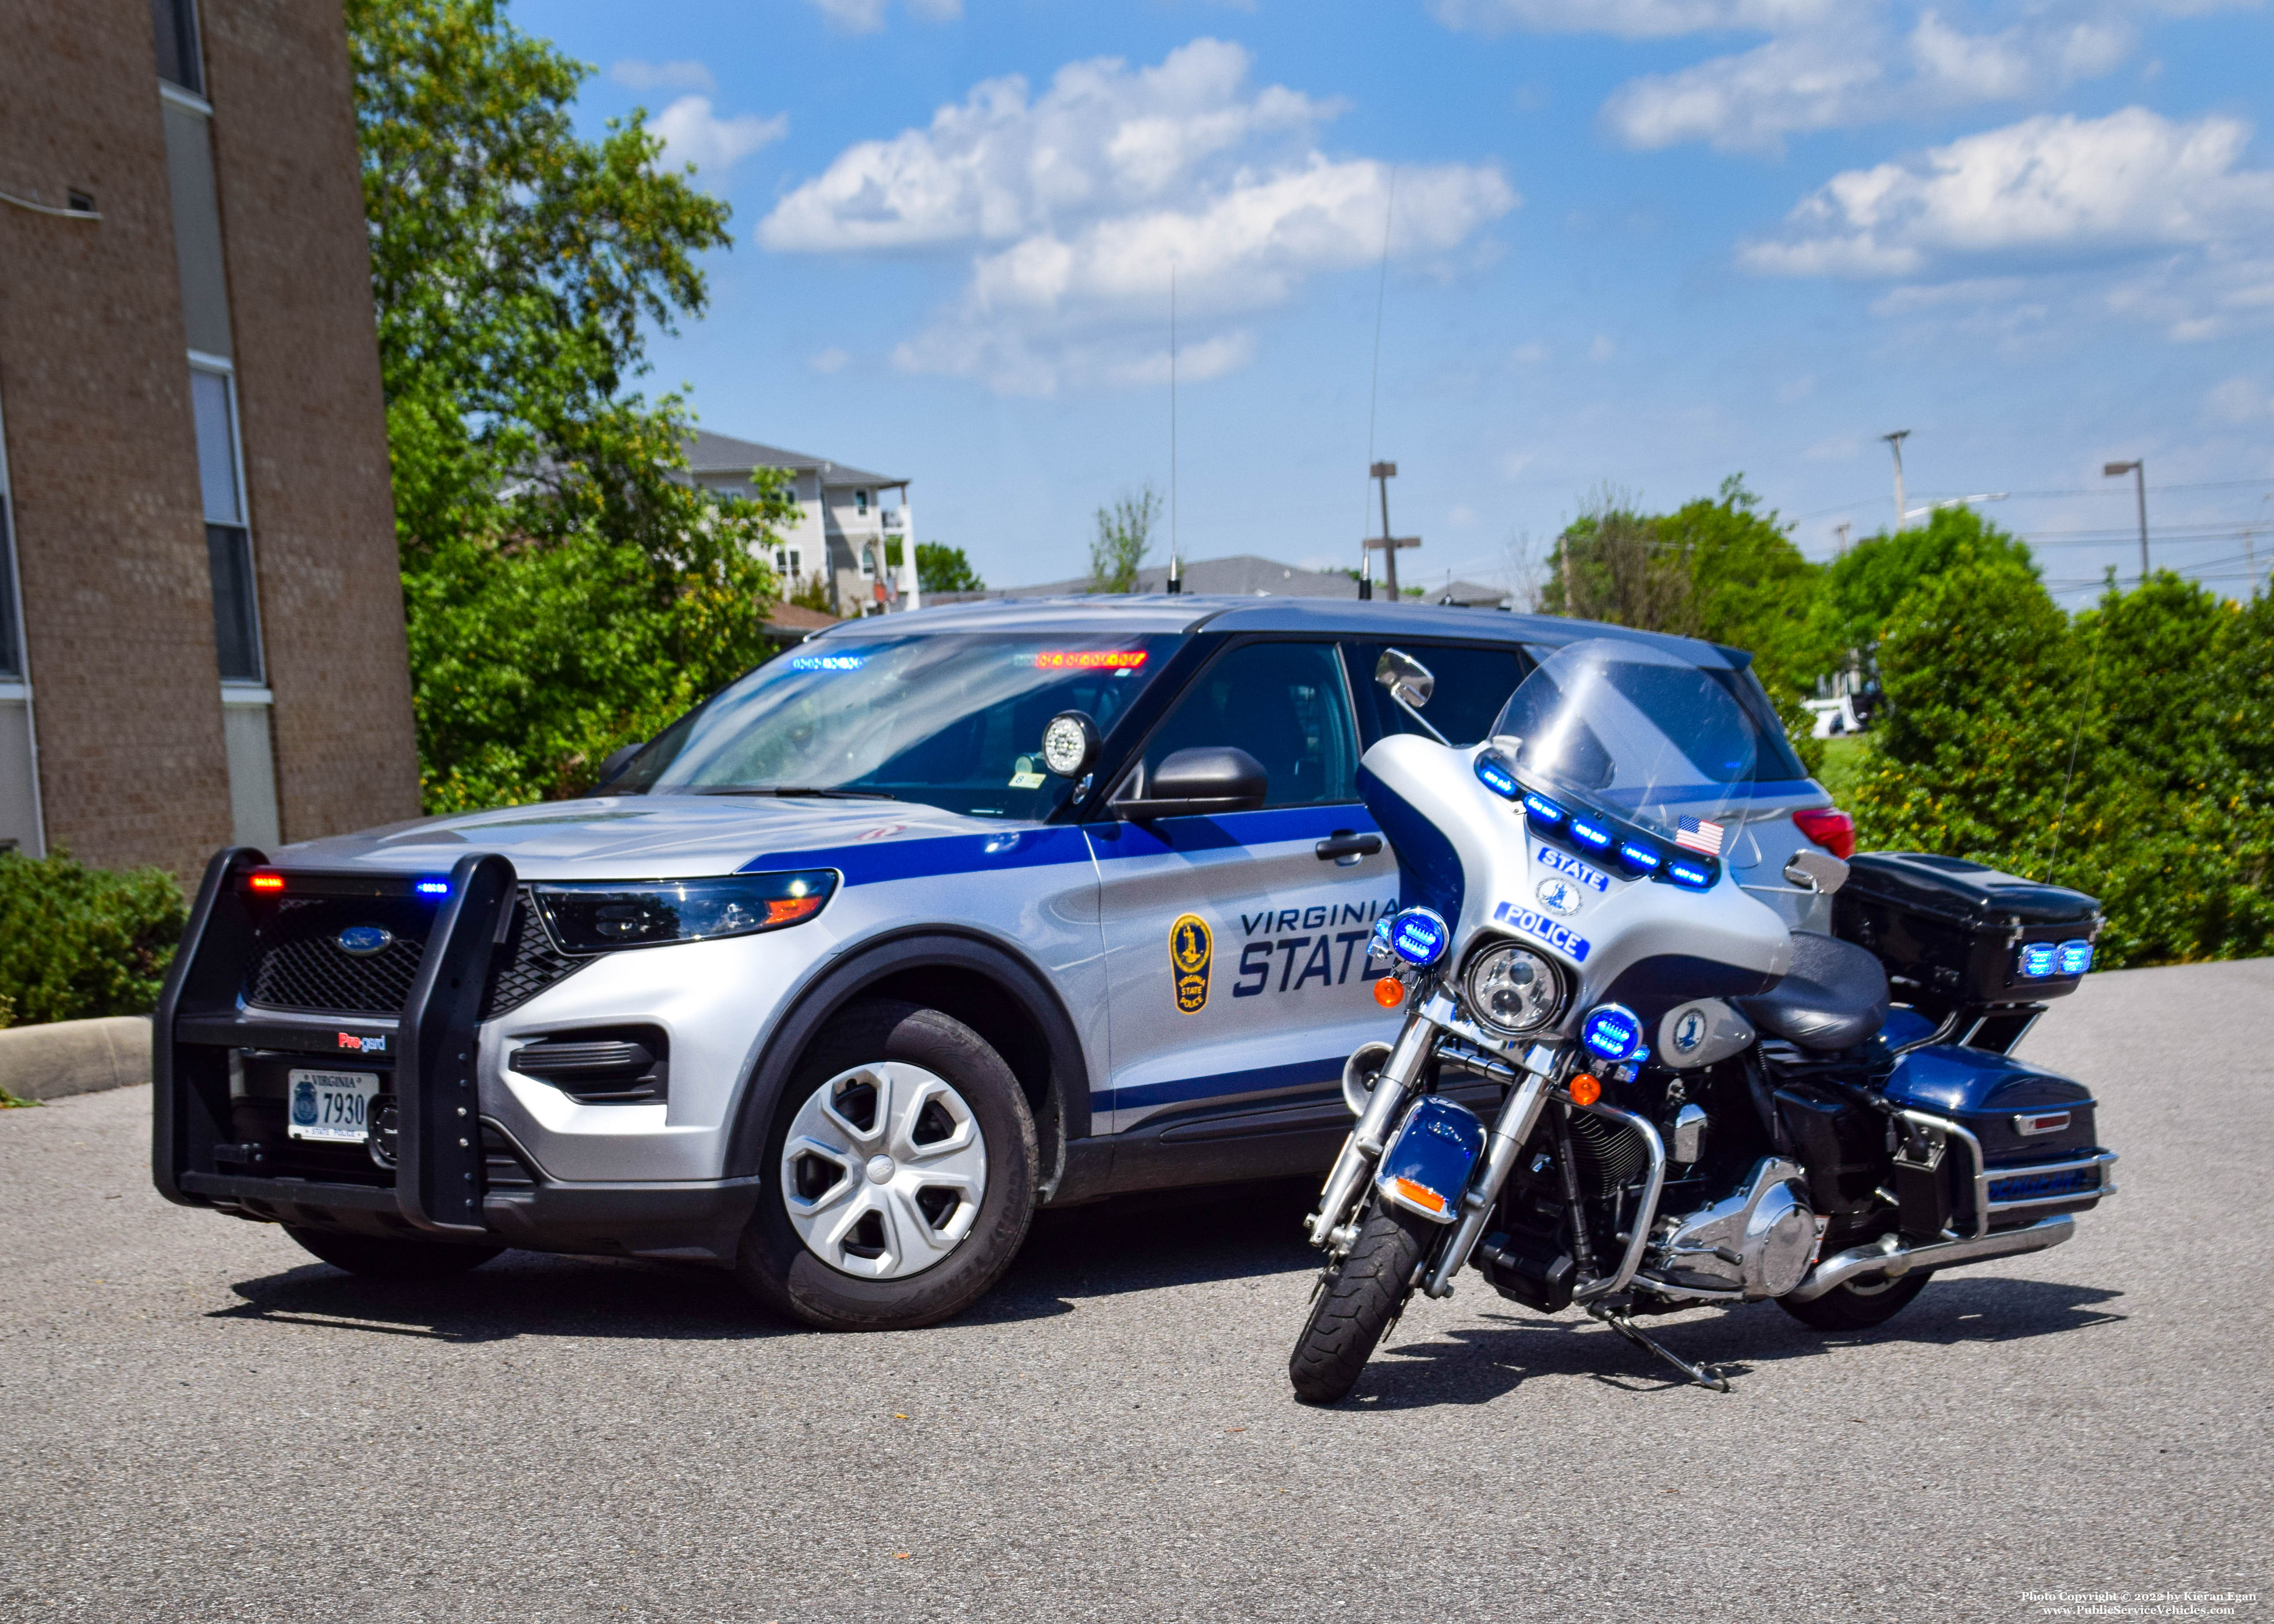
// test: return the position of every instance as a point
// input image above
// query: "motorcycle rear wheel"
(1859, 1305)
(1358, 1304)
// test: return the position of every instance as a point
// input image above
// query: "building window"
(228, 545)
(175, 23)
(860, 501)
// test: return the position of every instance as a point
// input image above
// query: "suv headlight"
(1512, 989)
(604, 916)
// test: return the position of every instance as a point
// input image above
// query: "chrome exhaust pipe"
(1896, 1261)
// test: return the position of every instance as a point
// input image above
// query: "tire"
(1856, 1306)
(924, 1267)
(382, 1257)
(1359, 1301)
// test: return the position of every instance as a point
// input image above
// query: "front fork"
(1537, 1070)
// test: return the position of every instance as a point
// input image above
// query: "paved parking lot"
(199, 1421)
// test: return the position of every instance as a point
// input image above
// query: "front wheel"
(1358, 1304)
(1859, 1305)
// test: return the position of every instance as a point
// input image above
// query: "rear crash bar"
(439, 1182)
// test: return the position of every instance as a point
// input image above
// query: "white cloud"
(2239, 399)
(1601, 349)
(692, 133)
(1529, 355)
(2046, 184)
(1751, 101)
(936, 10)
(634, 74)
(1075, 205)
(830, 360)
(1631, 20)
(852, 16)
(2020, 61)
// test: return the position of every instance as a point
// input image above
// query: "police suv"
(932, 920)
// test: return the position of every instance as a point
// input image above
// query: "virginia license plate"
(330, 1105)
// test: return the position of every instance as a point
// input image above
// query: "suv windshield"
(952, 720)
(1636, 731)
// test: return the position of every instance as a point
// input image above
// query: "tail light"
(1830, 828)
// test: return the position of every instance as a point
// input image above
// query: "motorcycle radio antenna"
(1373, 396)
(1176, 575)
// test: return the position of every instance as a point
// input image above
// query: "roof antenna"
(1175, 576)
(1374, 393)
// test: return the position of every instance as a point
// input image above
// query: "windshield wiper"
(796, 789)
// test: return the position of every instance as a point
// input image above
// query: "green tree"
(1125, 534)
(565, 592)
(942, 569)
(1878, 573)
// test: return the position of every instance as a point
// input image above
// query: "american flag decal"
(1698, 834)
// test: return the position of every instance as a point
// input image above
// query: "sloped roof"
(722, 454)
(1241, 575)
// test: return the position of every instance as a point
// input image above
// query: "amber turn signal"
(1584, 1090)
(1390, 992)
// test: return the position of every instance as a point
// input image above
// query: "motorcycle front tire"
(1358, 1304)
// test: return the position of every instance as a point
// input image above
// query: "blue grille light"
(2038, 958)
(1612, 1031)
(1497, 778)
(1636, 855)
(1419, 935)
(1682, 871)
(1590, 835)
(2075, 958)
(1544, 812)
(434, 888)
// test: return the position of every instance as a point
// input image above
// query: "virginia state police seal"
(1191, 950)
(1559, 896)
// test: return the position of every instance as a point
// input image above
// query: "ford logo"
(365, 940)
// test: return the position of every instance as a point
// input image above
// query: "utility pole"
(1895, 444)
(1386, 544)
(1842, 529)
(2139, 471)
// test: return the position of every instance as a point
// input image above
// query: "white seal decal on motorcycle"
(1561, 937)
(1564, 863)
(1690, 1032)
(1559, 896)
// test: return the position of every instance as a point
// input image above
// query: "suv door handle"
(1346, 846)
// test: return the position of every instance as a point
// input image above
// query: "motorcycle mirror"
(1816, 871)
(1410, 682)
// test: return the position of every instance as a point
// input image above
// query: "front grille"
(525, 964)
(297, 963)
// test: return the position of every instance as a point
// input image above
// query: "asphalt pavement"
(199, 1421)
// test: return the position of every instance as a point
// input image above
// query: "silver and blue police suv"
(1698, 1102)
(931, 921)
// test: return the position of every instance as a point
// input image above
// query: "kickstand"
(1705, 1376)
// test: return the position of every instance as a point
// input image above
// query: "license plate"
(330, 1105)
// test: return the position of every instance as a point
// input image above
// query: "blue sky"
(1635, 243)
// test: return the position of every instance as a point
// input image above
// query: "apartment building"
(202, 635)
(850, 522)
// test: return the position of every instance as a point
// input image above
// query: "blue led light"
(1612, 1031)
(2038, 958)
(1544, 811)
(2075, 958)
(1419, 935)
(1497, 778)
(1682, 871)
(1591, 835)
(1636, 855)
(434, 888)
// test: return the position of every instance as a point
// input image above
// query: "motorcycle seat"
(1834, 996)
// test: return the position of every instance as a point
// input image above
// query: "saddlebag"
(1997, 1142)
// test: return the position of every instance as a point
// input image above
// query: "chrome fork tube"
(1520, 1113)
(1364, 1146)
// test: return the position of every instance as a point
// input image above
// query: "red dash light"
(1090, 659)
(267, 879)
(1830, 828)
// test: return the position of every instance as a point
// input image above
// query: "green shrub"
(77, 941)
(2126, 754)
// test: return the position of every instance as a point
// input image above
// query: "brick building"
(200, 618)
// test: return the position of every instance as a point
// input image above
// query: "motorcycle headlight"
(603, 916)
(1512, 989)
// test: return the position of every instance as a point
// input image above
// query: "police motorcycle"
(1700, 1103)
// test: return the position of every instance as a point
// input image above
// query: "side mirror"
(1199, 782)
(1070, 743)
(618, 760)
(1818, 871)
(1410, 682)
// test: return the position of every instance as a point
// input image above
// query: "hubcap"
(883, 1170)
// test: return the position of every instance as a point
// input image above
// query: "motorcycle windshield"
(1636, 731)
